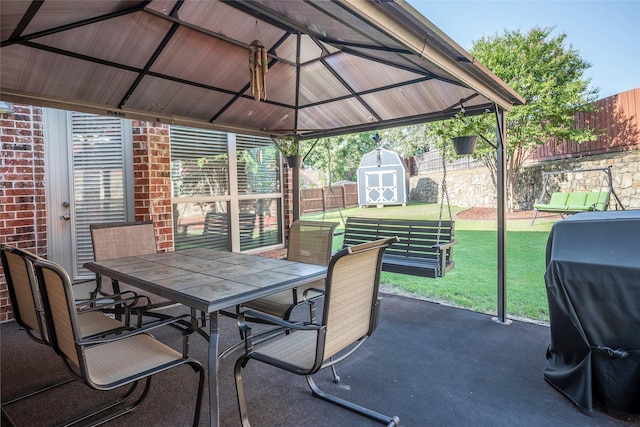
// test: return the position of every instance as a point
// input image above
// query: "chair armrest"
(242, 323)
(445, 245)
(109, 301)
(148, 327)
(285, 326)
(311, 299)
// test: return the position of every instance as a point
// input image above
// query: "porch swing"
(572, 202)
(425, 248)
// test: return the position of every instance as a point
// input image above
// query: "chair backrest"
(351, 297)
(124, 239)
(117, 240)
(311, 241)
(558, 199)
(576, 199)
(23, 291)
(59, 306)
(598, 200)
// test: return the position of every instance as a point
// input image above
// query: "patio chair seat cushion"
(96, 322)
(280, 303)
(118, 360)
(297, 349)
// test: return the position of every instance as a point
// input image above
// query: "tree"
(338, 157)
(547, 74)
(410, 141)
(550, 77)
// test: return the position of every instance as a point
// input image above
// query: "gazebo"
(330, 68)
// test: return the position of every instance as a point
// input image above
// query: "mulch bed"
(491, 214)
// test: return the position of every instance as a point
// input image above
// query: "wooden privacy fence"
(617, 116)
(327, 198)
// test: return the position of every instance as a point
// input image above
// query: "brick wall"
(22, 203)
(287, 176)
(22, 197)
(152, 179)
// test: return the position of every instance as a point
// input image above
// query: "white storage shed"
(383, 179)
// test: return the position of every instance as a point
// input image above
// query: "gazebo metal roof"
(335, 67)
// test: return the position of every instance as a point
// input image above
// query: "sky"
(606, 33)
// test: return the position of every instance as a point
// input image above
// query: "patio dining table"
(209, 281)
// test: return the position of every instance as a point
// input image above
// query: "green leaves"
(549, 75)
(339, 157)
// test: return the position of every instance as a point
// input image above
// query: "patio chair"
(111, 362)
(125, 239)
(349, 316)
(310, 242)
(26, 303)
(26, 300)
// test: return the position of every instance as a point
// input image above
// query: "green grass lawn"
(472, 284)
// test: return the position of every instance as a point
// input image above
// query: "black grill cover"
(593, 289)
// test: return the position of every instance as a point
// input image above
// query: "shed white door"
(381, 186)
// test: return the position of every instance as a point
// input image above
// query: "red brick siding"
(22, 202)
(152, 179)
(22, 198)
(288, 196)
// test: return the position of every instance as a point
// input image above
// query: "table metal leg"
(214, 408)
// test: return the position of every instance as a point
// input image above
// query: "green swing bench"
(572, 202)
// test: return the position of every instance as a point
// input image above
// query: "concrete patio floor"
(427, 363)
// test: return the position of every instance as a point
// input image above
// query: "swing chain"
(333, 194)
(444, 194)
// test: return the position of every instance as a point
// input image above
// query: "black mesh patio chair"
(349, 316)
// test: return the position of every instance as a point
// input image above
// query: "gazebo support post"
(296, 171)
(295, 185)
(501, 156)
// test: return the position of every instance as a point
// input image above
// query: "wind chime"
(259, 67)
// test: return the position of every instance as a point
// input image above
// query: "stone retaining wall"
(474, 187)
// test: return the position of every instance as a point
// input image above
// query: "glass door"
(88, 172)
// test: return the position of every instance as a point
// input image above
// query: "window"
(258, 172)
(208, 209)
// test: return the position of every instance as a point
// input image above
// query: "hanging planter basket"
(464, 144)
(293, 161)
